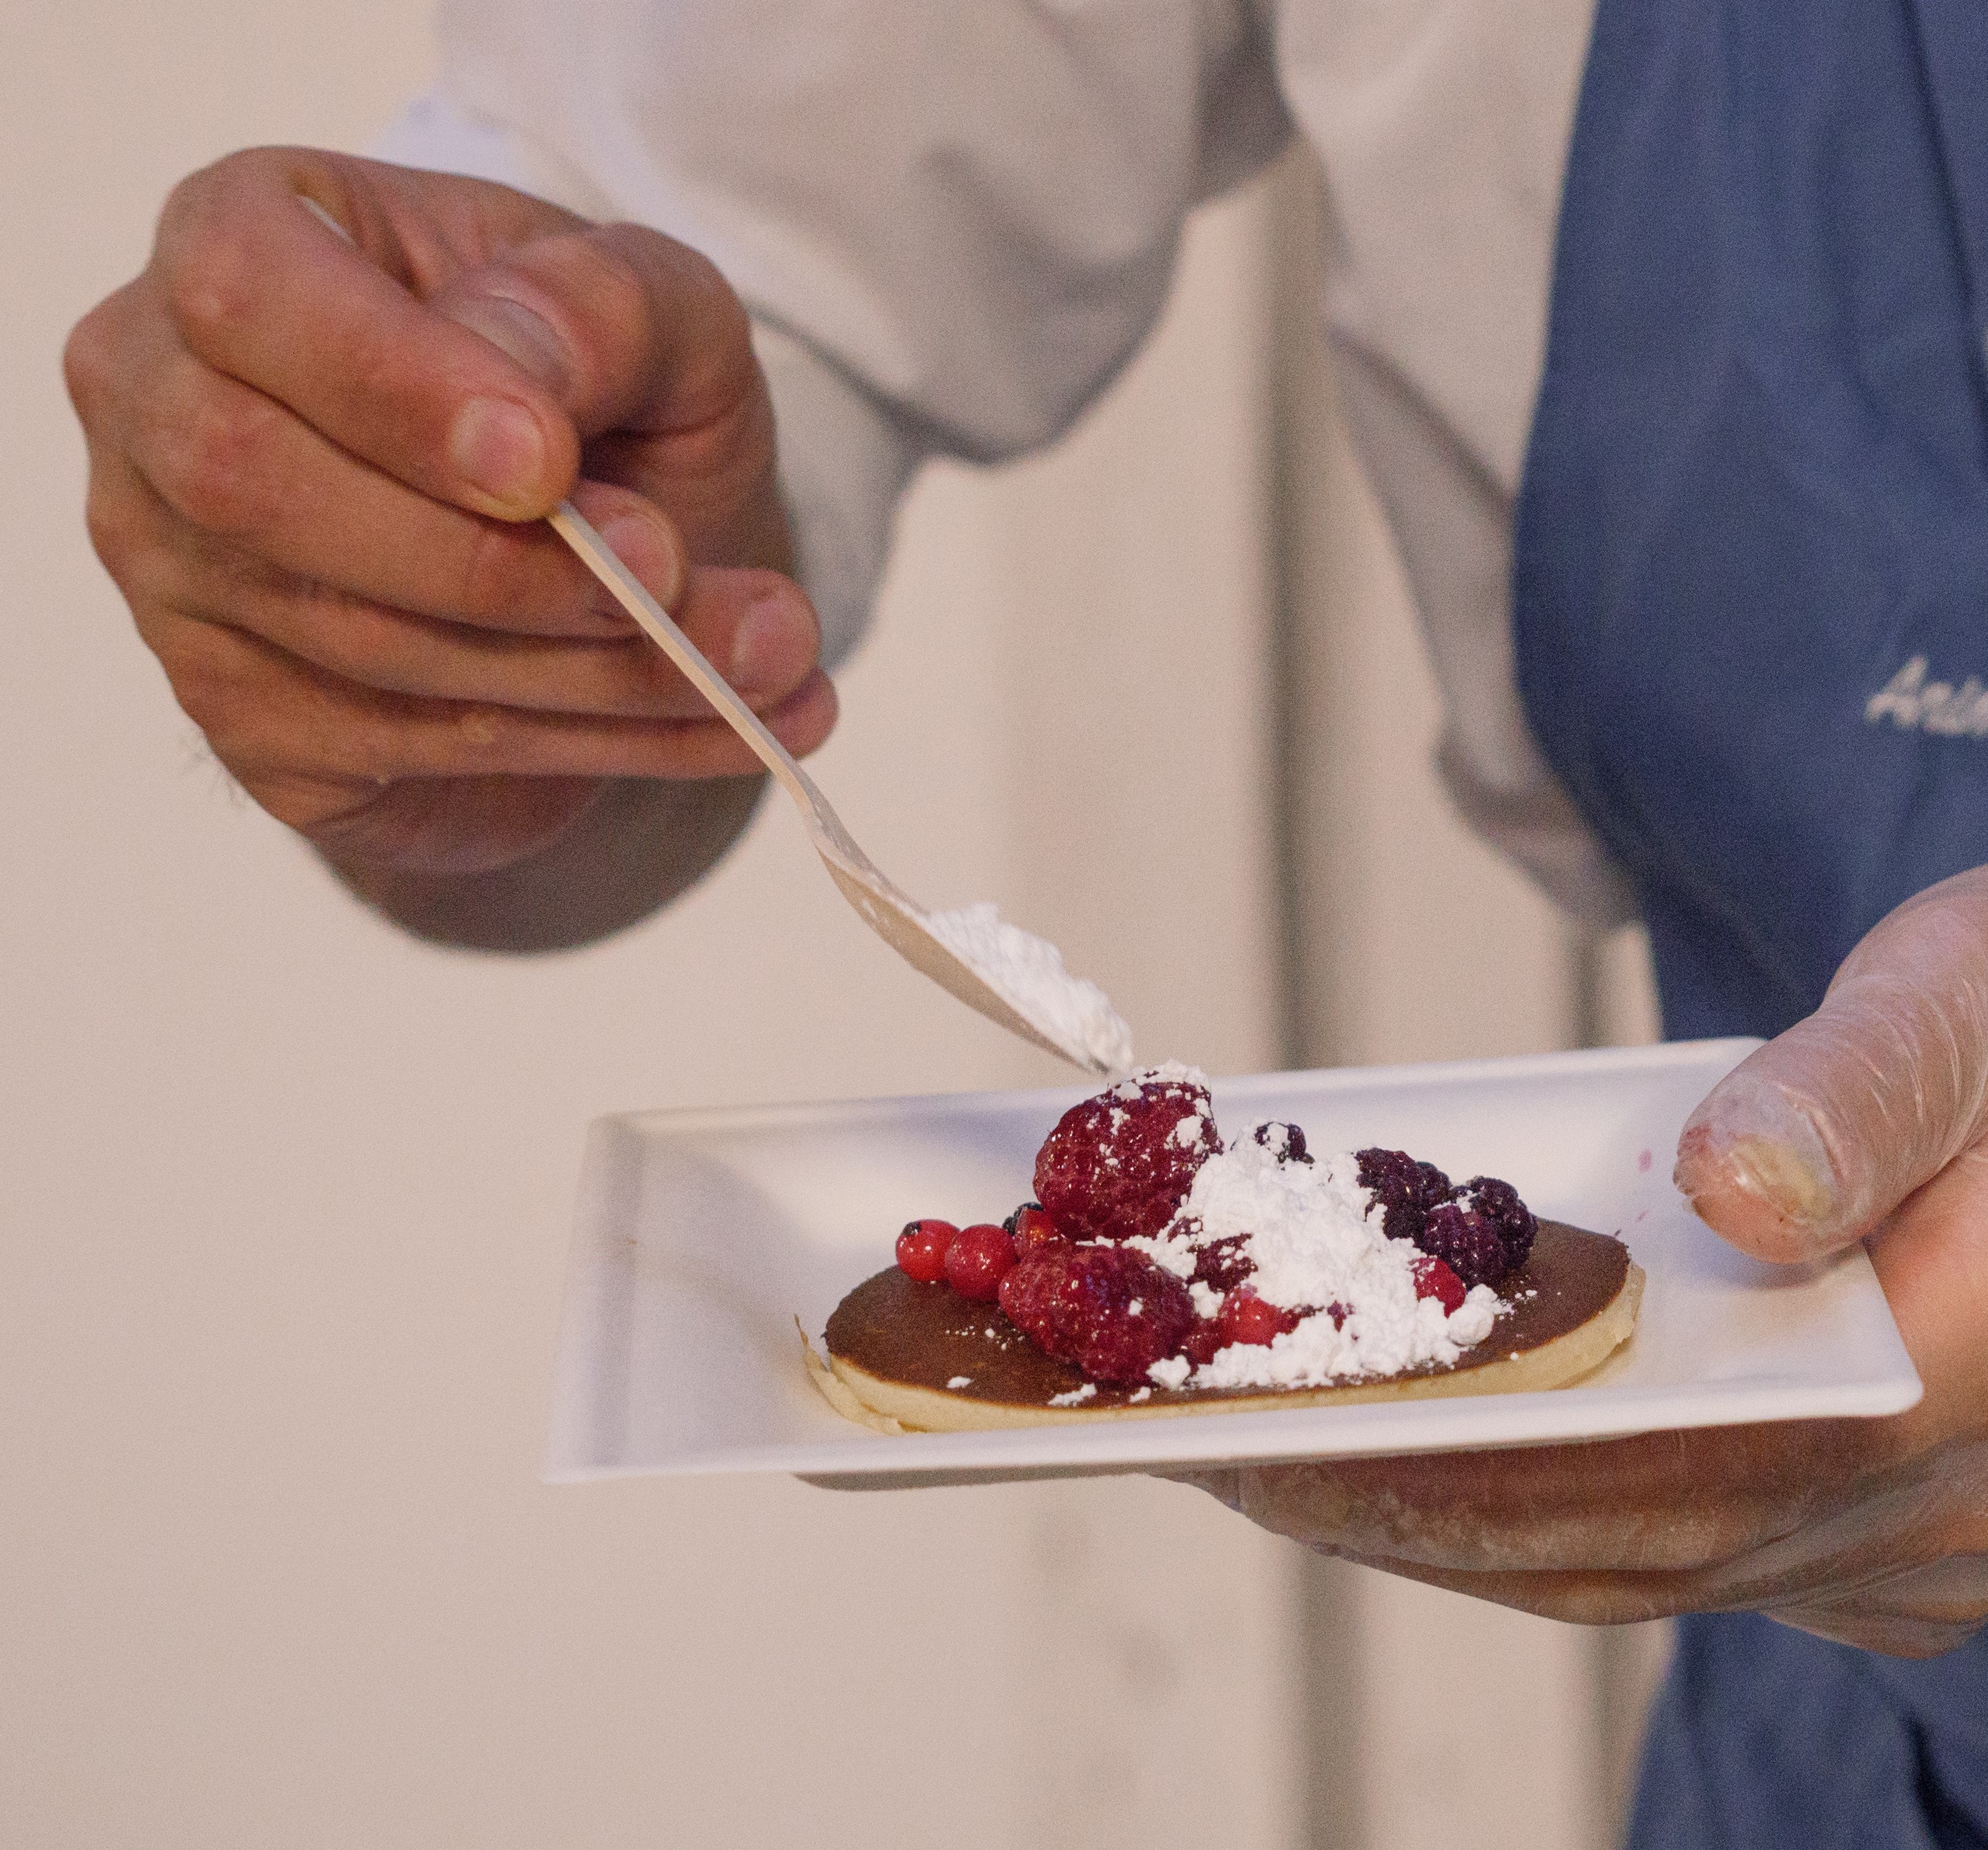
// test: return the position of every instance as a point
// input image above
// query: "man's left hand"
(1868, 1121)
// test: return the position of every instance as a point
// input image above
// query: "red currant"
(922, 1247)
(978, 1259)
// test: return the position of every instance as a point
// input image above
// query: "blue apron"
(1751, 592)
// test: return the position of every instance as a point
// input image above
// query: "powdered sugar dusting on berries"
(1115, 1165)
(1153, 1256)
(1191, 1133)
(1027, 972)
(1306, 1229)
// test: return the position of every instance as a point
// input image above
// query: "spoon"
(905, 926)
(1039, 999)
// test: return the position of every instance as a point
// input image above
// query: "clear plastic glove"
(1869, 1120)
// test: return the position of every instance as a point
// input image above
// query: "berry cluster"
(1119, 1166)
(1480, 1231)
(1403, 1189)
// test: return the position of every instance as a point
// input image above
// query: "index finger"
(263, 292)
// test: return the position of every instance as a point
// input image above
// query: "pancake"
(895, 1347)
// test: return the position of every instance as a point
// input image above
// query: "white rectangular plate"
(702, 1236)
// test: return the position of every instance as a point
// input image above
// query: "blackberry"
(1285, 1142)
(1403, 1189)
(1499, 1203)
(1465, 1241)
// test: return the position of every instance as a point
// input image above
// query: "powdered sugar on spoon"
(1027, 972)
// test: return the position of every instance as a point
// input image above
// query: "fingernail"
(1754, 1170)
(761, 644)
(1795, 1187)
(500, 449)
(522, 333)
(648, 548)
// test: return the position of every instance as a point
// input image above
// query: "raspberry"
(1434, 1278)
(978, 1259)
(1119, 1164)
(1245, 1317)
(1221, 1265)
(1285, 1142)
(1466, 1241)
(1403, 1189)
(1029, 1227)
(1108, 1309)
(1513, 1221)
(1201, 1343)
(921, 1249)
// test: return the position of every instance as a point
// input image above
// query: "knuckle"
(207, 705)
(210, 259)
(695, 276)
(86, 361)
(618, 312)
(205, 292)
(212, 466)
(195, 193)
(207, 691)
(116, 524)
(730, 329)
(158, 629)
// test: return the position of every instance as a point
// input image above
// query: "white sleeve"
(952, 223)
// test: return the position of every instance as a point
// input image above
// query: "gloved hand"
(1869, 1120)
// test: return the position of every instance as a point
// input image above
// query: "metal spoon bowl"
(904, 925)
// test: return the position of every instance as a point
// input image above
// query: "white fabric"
(954, 223)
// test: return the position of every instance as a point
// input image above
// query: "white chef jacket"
(953, 221)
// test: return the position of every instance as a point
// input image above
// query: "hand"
(317, 473)
(1868, 1121)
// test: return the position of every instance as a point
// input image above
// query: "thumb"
(628, 329)
(1816, 1138)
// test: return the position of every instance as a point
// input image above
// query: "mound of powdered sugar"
(1306, 1227)
(1027, 972)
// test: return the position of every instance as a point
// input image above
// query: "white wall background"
(282, 1196)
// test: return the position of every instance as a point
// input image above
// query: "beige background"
(282, 1196)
